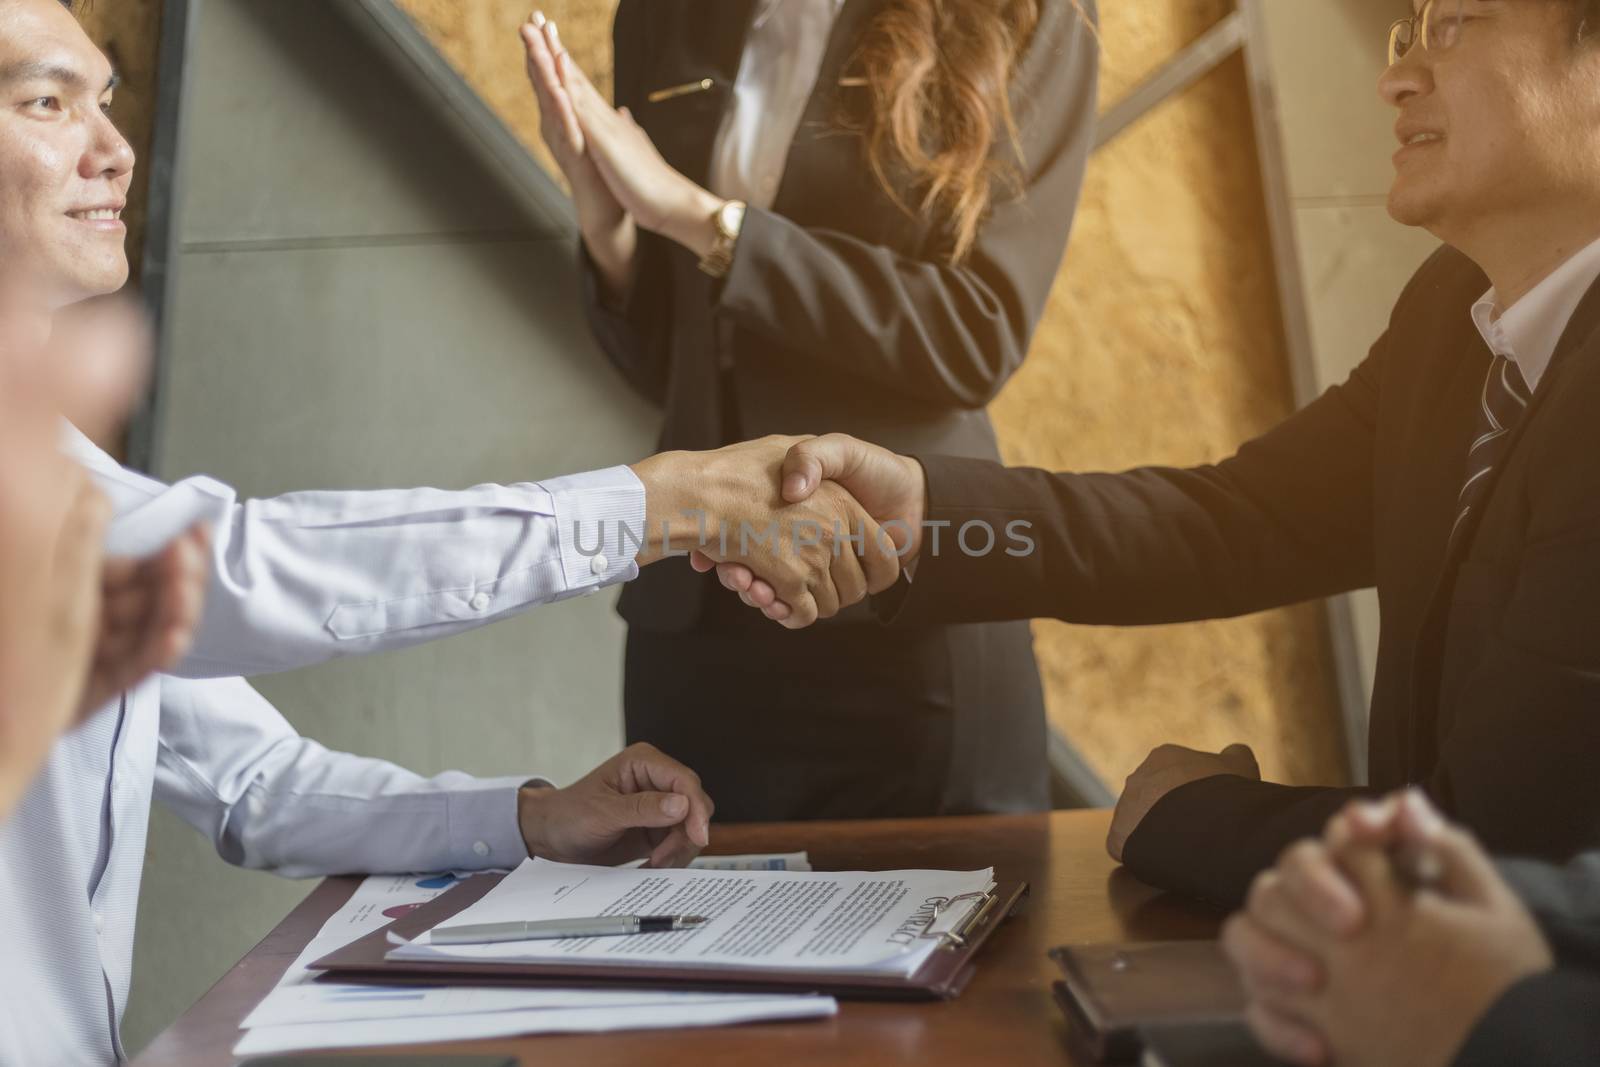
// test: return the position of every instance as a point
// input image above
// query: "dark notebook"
(1110, 991)
(1203, 1045)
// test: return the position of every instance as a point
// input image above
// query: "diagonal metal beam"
(1349, 679)
(390, 29)
(1176, 75)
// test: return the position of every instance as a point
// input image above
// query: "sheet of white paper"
(378, 901)
(302, 1036)
(753, 861)
(320, 1003)
(790, 922)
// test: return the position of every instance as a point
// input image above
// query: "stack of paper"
(759, 921)
(304, 1014)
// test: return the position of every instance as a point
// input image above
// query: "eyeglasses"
(1436, 27)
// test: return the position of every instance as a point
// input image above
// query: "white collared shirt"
(777, 73)
(296, 580)
(1528, 331)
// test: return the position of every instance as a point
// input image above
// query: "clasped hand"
(815, 551)
(1382, 943)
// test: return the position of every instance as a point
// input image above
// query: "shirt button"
(599, 564)
(99, 923)
(479, 601)
(481, 847)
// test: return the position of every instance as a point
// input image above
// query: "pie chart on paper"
(437, 881)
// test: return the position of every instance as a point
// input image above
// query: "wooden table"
(1006, 1013)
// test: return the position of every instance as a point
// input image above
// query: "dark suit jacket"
(1549, 1019)
(839, 312)
(1488, 675)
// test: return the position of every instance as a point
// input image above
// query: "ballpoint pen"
(548, 929)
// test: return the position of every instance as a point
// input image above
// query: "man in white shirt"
(304, 578)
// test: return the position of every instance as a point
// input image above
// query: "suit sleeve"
(1565, 901)
(1287, 518)
(949, 335)
(1209, 838)
(1548, 1019)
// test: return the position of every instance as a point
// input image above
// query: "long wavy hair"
(938, 76)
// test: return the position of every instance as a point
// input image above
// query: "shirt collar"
(1528, 331)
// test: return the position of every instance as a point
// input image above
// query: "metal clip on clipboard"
(957, 937)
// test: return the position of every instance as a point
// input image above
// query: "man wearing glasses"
(1457, 469)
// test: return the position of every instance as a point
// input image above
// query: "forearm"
(308, 577)
(1148, 546)
(948, 335)
(1209, 838)
(231, 766)
(613, 250)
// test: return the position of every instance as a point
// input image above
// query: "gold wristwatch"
(728, 219)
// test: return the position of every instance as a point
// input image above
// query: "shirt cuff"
(599, 525)
(484, 831)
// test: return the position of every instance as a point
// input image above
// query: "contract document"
(784, 922)
(302, 1013)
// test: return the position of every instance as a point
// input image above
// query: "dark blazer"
(839, 312)
(1488, 675)
(1549, 1019)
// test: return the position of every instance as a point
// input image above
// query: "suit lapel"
(818, 117)
(1577, 335)
(1581, 335)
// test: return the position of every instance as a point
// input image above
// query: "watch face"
(730, 218)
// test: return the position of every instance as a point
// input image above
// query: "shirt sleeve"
(232, 767)
(307, 577)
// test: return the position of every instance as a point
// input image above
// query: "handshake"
(799, 527)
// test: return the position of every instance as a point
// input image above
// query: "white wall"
(355, 306)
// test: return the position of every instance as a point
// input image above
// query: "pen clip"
(656, 96)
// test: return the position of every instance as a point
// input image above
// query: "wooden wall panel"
(1161, 344)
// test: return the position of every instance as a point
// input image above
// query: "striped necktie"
(1504, 399)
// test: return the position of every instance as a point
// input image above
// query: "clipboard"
(942, 977)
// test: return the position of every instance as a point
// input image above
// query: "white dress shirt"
(1528, 331)
(296, 580)
(777, 73)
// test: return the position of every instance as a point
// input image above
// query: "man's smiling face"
(64, 168)
(1504, 121)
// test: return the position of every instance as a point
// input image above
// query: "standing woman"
(817, 215)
